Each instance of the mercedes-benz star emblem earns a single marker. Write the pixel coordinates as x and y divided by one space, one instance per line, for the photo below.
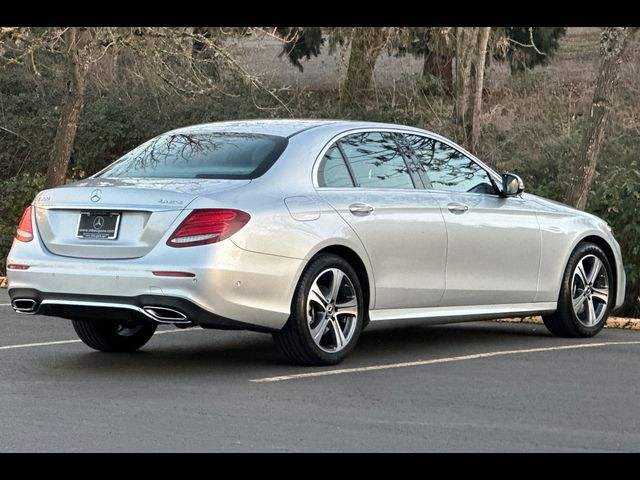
98 223
96 195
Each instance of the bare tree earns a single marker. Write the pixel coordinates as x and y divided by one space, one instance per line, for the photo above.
366 45
466 42
479 85
613 42
435 46
438 58
77 59
79 48
164 56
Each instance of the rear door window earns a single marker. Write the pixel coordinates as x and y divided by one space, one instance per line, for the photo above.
333 171
376 161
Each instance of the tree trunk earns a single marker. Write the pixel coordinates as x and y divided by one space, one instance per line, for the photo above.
366 45
439 65
466 40
612 46
70 110
477 103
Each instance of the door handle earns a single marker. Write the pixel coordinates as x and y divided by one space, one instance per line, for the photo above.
457 208
360 209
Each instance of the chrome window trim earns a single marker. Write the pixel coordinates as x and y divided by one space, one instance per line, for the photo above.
336 138
346 164
410 131
334 141
490 172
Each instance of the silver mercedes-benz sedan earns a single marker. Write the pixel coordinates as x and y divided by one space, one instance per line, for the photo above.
310 230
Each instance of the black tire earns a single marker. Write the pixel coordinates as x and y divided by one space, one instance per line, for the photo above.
564 322
295 340
112 335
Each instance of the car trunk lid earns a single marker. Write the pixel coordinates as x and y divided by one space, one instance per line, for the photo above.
142 211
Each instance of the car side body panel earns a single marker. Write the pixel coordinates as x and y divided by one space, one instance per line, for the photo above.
494 249
405 240
562 229
506 256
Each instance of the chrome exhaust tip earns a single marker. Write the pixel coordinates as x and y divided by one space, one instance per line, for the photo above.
166 315
24 305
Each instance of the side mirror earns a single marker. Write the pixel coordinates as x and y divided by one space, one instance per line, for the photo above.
512 185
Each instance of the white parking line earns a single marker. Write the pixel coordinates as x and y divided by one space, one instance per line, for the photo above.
63 342
434 361
41 344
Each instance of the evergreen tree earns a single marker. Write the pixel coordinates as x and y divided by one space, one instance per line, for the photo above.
436 48
366 45
531 46
300 42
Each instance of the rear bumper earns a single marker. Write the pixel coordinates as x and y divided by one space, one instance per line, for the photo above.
78 307
232 287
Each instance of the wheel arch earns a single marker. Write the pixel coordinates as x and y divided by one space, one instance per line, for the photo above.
608 251
603 243
358 265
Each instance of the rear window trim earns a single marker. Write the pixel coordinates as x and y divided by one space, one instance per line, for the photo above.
323 162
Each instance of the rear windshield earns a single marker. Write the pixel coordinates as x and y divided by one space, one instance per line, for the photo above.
200 155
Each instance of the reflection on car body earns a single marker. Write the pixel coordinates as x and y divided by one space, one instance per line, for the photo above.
309 230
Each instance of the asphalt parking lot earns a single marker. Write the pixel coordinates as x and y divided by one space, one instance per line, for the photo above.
467 387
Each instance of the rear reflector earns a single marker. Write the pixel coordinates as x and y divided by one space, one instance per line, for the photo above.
25 229
208 226
15 266
174 274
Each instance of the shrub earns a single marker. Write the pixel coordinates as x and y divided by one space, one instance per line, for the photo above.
539 143
615 197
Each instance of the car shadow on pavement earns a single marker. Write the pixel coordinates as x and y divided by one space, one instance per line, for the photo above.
447 340
244 354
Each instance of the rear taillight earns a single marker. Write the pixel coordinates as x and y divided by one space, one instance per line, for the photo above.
208 226
25 228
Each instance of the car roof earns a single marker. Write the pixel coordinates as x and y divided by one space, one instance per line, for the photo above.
281 127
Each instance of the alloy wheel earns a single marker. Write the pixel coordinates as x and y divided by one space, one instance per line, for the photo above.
332 310
590 290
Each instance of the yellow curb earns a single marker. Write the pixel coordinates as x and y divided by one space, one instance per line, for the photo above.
612 322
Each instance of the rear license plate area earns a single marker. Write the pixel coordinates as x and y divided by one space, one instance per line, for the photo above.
98 225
